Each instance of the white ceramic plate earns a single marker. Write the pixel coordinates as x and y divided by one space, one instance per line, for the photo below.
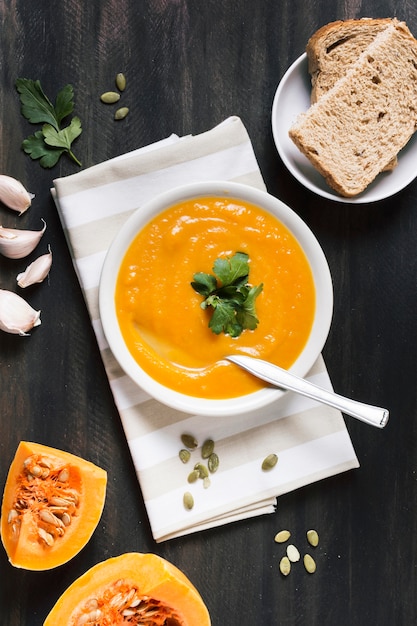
293 97
117 250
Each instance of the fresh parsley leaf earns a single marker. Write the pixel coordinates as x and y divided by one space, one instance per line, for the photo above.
232 271
232 299
64 103
204 284
63 138
36 148
36 107
224 319
246 315
52 141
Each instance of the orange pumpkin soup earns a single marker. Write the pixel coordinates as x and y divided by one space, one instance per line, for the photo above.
159 313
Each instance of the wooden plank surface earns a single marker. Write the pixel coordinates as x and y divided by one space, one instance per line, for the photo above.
189 65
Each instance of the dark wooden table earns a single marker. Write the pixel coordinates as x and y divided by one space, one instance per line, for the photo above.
190 65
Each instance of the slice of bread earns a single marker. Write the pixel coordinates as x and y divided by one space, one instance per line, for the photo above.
354 130
334 47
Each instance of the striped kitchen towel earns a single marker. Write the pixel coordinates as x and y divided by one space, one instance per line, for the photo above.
311 440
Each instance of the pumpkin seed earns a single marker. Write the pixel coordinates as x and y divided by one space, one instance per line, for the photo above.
121 81
207 449
66 519
49 518
269 462
313 538
189 441
121 113
110 97
282 536
184 455
36 470
193 476
202 470
309 564
62 502
47 537
91 604
285 566
188 500
292 553
45 462
63 476
213 463
206 482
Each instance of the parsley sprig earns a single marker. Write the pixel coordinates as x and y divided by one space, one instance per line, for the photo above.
232 299
49 143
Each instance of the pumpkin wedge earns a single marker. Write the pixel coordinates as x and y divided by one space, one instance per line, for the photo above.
52 503
132 588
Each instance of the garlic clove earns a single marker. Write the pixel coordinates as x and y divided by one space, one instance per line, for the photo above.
16 315
14 195
16 243
37 271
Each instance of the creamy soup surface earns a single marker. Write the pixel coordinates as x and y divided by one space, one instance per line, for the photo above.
159 313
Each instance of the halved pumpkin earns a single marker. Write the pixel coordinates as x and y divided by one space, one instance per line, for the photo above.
52 503
133 588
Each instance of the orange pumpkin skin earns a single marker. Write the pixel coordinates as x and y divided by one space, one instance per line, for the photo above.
52 503
156 580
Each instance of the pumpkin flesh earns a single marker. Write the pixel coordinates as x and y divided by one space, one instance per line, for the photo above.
52 503
133 588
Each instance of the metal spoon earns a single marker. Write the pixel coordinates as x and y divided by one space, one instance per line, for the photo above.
279 377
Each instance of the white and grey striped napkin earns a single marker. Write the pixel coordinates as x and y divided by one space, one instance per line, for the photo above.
311 440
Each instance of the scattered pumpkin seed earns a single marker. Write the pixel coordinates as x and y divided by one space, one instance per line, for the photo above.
213 463
309 564
189 441
121 113
188 500
285 566
110 97
269 462
184 455
202 470
313 538
193 476
121 81
282 536
207 449
293 553
206 482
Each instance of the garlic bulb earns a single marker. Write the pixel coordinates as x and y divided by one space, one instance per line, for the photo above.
14 195
37 271
16 315
16 243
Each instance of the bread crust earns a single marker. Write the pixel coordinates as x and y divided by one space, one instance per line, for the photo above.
357 127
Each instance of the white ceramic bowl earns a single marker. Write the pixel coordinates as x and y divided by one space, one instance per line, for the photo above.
117 250
292 98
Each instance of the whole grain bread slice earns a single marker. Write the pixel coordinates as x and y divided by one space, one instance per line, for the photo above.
334 47
354 130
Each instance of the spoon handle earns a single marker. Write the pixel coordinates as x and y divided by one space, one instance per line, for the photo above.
373 415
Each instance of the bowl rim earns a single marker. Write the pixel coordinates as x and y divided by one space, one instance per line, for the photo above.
291 98
110 269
